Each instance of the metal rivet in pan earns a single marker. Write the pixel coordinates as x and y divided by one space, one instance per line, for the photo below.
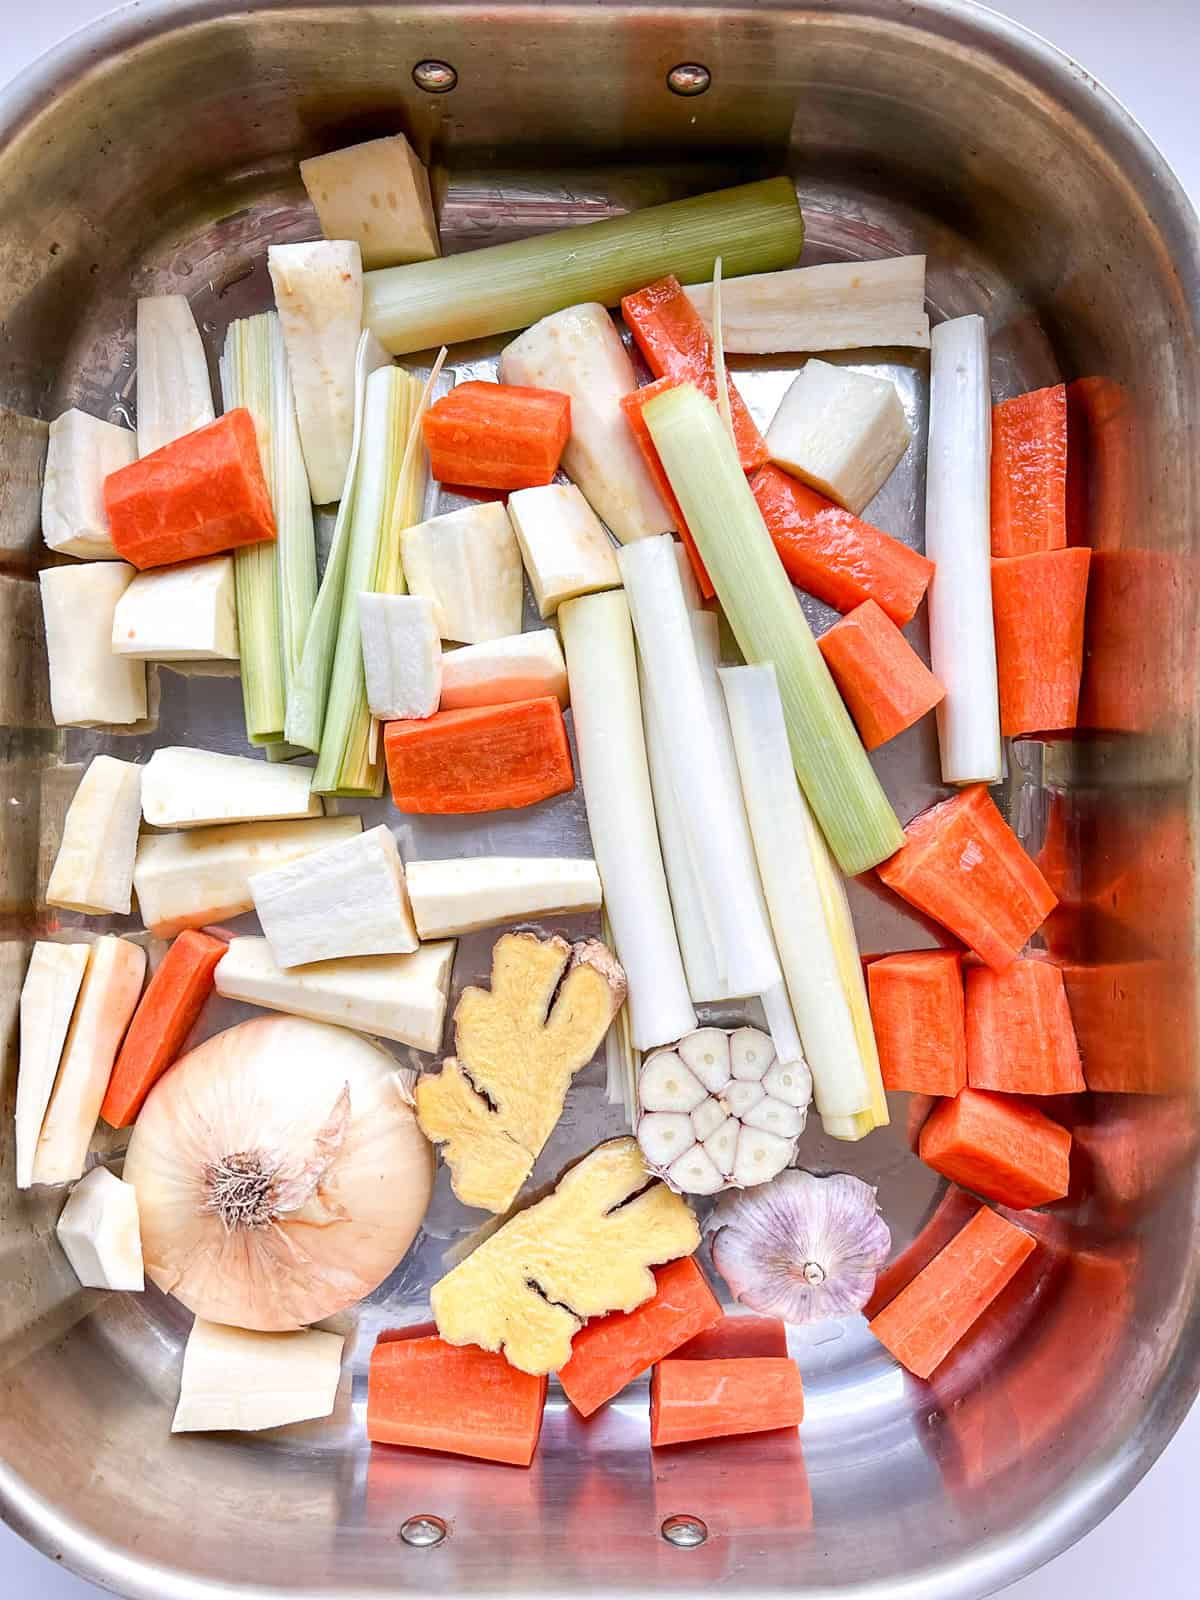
435 77
684 1532
688 78
424 1532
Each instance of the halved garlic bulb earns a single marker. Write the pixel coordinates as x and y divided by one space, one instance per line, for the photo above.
720 1109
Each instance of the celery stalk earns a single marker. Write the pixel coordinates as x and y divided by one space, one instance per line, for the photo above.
755 227
764 612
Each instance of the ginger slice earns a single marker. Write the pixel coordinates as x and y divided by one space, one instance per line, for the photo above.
585 1250
494 1105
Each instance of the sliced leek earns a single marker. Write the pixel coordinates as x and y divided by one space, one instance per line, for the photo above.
769 625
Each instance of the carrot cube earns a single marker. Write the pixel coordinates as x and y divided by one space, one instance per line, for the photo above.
479 758
1000 1147
1038 606
713 1399
1029 472
917 1010
497 435
1020 1037
882 679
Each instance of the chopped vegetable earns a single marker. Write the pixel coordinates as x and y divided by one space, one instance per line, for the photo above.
93 870
677 345
835 556
580 1253
237 1381
174 393
482 758
524 666
736 1336
402 655
319 296
810 917
925 1321
1029 473
48 995
917 1012
1003 1149
185 880
394 997
633 406
100 1233
497 435
622 1060
472 892
958 542
609 1353
563 545
518 1046
187 788
348 899
429 1395
88 684
376 194
1020 1038
755 227
714 1399
579 353
769 625
1038 603
607 714
110 991
83 450
280 1173
881 677
204 494
953 1210
841 431
803 1248
963 866
180 613
164 1017
468 563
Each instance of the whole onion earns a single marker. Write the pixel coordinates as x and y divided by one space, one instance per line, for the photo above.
280 1174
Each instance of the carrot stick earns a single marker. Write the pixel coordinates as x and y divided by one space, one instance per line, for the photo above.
1000 1147
479 758
1020 1037
713 1399
610 1352
200 495
173 1000
836 556
962 865
676 344
1038 604
1029 472
928 1318
429 1395
497 435
736 1336
882 679
632 405
917 1011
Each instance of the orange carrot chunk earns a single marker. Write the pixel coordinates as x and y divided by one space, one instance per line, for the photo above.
610 1352
671 335
882 679
962 865
1038 605
736 1336
917 1012
173 1000
951 1214
928 1318
202 494
1029 472
1002 1148
633 405
713 1399
497 435
429 1395
834 555
1020 1037
480 758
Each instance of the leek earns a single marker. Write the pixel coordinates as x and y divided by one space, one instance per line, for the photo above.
755 227
809 913
769 625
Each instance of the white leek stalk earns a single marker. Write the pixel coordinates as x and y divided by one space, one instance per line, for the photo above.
809 912
48 996
89 685
174 392
100 1233
187 788
238 1381
93 871
607 713
958 540
83 450
622 1061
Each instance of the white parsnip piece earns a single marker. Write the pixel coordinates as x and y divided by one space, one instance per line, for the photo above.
89 685
100 1233
841 431
48 996
524 666
237 1381
563 545
469 565
377 194
93 871
185 788
174 390
402 655
83 450
186 612
471 892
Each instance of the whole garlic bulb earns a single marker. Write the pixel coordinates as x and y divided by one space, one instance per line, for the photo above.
280 1174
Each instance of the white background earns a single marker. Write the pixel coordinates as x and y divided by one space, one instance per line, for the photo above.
1146 52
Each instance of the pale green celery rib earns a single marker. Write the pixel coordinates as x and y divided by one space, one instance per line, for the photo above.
755 227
